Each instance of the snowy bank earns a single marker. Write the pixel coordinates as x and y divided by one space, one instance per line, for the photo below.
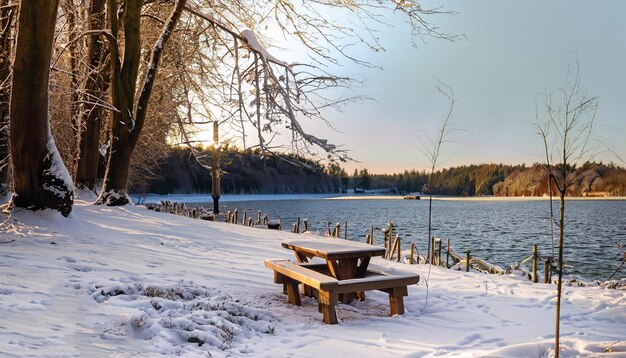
132 282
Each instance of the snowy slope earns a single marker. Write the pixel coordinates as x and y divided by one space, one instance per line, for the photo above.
132 282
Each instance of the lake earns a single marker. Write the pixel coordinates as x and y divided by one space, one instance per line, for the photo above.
499 231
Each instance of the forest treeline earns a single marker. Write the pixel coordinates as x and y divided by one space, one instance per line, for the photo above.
249 172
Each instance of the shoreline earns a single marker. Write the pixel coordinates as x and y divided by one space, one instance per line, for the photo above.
202 198
482 198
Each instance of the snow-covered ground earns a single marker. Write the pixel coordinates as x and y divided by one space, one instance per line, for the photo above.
131 282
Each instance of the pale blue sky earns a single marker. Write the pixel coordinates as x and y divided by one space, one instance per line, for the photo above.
514 51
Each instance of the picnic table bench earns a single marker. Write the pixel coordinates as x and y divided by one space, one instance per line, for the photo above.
328 288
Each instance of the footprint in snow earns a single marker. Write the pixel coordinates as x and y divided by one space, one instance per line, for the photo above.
469 339
80 268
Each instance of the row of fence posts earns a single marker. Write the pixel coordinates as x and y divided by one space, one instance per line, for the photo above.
232 217
393 245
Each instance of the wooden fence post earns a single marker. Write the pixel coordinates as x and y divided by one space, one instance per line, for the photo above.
546 271
448 255
432 251
386 252
534 273
399 243
467 261
439 260
412 252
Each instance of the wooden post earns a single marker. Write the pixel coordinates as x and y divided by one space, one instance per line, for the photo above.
546 271
250 222
235 216
371 234
266 219
448 255
385 246
412 252
258 217
244 217
337 230
306 225
440 260
298 226
345 231
534 273
467 261
295 228
367 238
432 251
228 213
329 232
392 247
399 243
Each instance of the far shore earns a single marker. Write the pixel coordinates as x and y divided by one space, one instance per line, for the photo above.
476 198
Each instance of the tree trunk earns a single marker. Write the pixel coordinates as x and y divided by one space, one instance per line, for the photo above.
6 17
126 123
560 283
96 85
40 179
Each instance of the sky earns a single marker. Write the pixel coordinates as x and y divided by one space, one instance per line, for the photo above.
513 53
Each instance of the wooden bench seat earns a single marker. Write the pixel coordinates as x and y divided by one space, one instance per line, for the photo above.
328 288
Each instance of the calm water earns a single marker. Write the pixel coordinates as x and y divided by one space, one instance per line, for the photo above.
500 232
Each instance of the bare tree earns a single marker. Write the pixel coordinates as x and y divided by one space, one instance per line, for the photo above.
566 131
431 148
236 81
128 119
235 76
94 99
40 179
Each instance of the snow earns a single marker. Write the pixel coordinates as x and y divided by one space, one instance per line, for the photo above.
57 169
254 44
126 281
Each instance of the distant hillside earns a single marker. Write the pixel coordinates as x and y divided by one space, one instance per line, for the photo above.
247 172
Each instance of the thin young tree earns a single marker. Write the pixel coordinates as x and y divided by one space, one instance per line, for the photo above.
40 179
569 119
431 149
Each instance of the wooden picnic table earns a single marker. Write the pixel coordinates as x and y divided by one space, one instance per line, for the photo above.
345 259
